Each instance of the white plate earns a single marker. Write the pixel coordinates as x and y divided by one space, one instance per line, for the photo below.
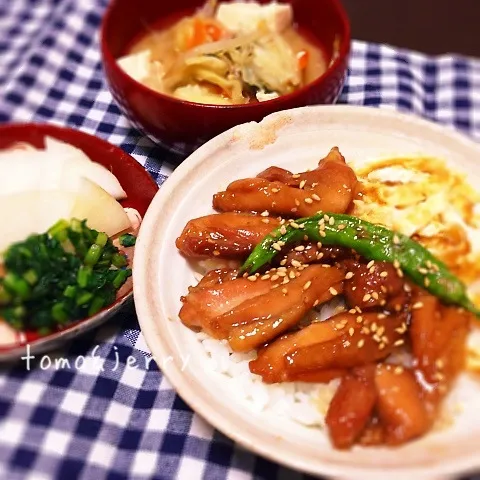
296 140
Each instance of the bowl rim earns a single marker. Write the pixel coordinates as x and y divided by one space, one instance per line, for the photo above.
342 56
41 344
146 312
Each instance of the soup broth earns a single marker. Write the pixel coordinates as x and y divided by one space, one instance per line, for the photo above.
201 59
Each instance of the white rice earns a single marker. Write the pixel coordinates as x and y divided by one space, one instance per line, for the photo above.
304 403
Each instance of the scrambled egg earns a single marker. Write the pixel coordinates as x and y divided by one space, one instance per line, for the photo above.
422 198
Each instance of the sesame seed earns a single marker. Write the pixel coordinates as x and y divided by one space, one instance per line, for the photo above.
326 217
384 274
302 183
398 370
275 190
316 302
423 271
285 281
281 243
346 343
307 285
358 309
385 339
301 225
281 274
216 253
359 319
381 346
354 288
308 200
341 226
377 338
265 277
305 238
381 316
283 262
265 220
439 363
396 240
339 326
366 297
399 342
396 264
296 263
281 269
417 305
331 221
351 331
407 288
373 327
300 248
275 286
319 245
274 278
365 330
293 210
296 175
426 281
380 331
276 246
333 291
294 225
265 213
291 275
319 255
370 263
361 343
283 229
383 288
375 295
322 233
316 197
399 273
297 203
282 220
371 269
284 291
348 275
314 184
252 278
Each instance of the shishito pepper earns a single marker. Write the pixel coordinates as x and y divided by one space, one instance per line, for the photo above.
374 242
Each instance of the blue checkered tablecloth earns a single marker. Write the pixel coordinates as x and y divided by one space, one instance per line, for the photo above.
114 418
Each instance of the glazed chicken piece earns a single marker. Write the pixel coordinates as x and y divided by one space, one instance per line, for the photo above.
330 187
351 407
438 336
259 320
225 235
375 284
400 406
314 253
218 292
344 341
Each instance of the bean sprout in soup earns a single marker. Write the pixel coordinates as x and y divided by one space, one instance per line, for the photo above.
226 54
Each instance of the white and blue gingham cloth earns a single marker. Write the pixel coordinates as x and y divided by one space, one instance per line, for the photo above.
115 418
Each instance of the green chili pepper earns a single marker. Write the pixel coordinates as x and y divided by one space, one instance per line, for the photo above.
374 242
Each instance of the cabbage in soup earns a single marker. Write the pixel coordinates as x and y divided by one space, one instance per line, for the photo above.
227 54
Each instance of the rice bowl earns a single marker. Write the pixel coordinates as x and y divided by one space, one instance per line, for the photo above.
299 135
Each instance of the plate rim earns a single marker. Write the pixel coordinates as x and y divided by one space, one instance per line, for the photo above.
152 332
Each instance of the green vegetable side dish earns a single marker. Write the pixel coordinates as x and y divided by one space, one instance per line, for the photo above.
374 242
55 278
127 240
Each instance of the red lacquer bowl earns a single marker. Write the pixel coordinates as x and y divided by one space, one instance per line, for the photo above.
182 126
139 187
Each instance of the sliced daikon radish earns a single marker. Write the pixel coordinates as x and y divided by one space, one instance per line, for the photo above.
42 170
23 214
101 210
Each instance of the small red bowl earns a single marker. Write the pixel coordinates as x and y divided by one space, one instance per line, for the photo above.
139 187
182 126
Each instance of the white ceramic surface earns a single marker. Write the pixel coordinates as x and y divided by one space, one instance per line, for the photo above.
296 140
